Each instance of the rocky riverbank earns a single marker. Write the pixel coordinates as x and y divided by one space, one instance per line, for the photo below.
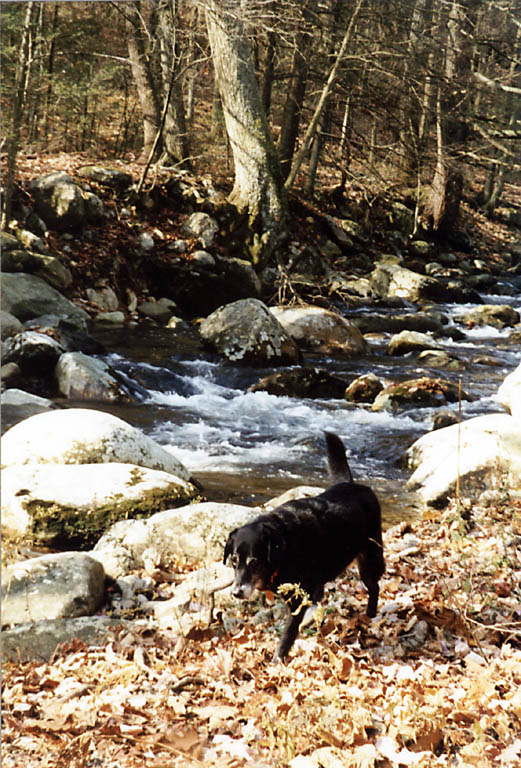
128 637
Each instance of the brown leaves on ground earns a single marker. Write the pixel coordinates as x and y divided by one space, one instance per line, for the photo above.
434 680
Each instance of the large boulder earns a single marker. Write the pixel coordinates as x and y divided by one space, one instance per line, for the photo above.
418 393
61 203
74 504
195 533
28 296
84 436
245 331
81 377
395 280
485 452
320 330
57 586
509 393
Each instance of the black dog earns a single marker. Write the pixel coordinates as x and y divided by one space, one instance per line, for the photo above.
308 542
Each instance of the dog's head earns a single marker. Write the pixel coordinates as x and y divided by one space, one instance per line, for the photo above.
251 555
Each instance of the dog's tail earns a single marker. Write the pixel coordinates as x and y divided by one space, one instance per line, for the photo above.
336 458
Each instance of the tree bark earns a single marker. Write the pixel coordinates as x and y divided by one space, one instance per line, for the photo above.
258 189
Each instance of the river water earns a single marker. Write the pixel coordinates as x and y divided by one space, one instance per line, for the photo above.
247 447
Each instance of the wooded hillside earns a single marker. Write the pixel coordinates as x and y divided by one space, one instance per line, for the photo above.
418 98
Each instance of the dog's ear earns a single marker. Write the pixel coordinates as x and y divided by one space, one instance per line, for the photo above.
228 549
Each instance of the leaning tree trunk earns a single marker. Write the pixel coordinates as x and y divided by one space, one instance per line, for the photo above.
258 189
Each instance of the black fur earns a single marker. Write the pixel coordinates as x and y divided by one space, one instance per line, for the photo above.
310 542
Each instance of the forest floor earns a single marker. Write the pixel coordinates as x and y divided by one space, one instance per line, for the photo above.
433 680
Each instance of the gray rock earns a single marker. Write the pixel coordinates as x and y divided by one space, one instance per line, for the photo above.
410 341
161 311
394 280
418 393
84 436
19 397
108 177
59 201
94 210
364 389
81 377
201 226
146 242
111 318
51 269
28 296
9 325
303 382
31 241
33 352
245 331
52 587
10 375
417 321
104 297
40 640
321 330
497 315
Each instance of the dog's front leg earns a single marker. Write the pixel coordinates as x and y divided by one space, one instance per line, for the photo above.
289 634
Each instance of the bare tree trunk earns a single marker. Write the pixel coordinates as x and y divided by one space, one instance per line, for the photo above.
258 189
297 88
174 135
50 71
17 113
143 76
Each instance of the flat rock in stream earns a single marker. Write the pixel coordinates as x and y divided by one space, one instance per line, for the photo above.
418 393
301 382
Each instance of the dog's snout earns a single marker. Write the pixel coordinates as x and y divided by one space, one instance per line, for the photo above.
238 592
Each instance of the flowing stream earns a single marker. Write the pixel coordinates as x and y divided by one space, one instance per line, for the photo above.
247 447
